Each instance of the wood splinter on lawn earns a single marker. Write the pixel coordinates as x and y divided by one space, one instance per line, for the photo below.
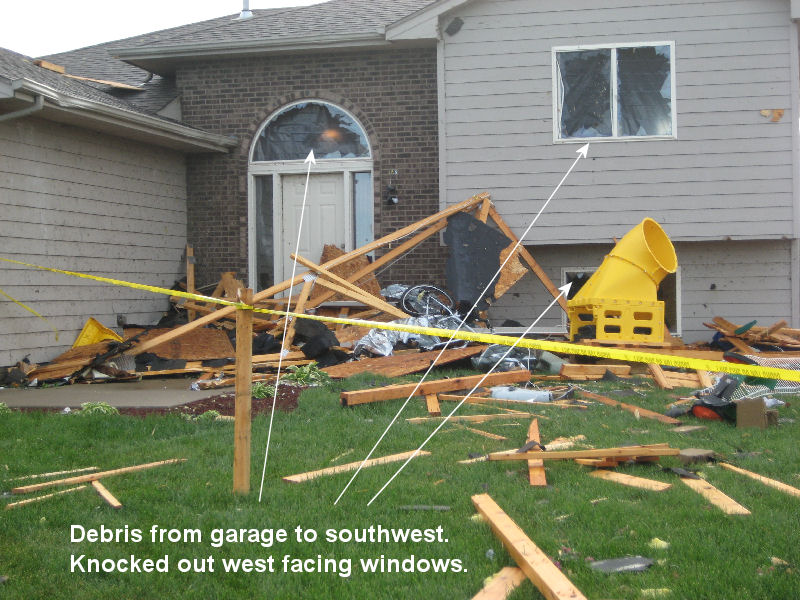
106 495
545 575
301 477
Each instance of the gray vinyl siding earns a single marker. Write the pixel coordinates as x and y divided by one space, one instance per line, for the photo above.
737 280
87 202
728 175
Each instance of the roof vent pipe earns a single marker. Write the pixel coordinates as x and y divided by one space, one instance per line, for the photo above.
246 13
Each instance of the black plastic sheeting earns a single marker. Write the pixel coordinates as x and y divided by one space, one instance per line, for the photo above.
473 260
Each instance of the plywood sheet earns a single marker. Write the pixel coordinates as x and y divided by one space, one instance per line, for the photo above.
198 344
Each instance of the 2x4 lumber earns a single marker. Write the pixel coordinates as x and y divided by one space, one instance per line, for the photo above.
44 497
402 364
631 480
631 408
468 418
300 308
486 434
244 396
106 495
619 453
26 489
659 376
725 503
53 474
393 392
432 404
285 285
301 477
501 584
774 483
576 370
536 472
523 252
342 286
545 575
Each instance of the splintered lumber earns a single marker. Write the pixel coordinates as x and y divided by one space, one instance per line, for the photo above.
536 473
545 575
659 376
778 485
668 380
44 497
106 495
631 408
368 284
53 474
402 364
268 293
501 584
486 434
587 372
393 392
619 453
301 477
94 476
631 480
432 404
468 418
512 271
725 503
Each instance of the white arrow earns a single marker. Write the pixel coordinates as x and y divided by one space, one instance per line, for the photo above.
582 152
310 160
564 292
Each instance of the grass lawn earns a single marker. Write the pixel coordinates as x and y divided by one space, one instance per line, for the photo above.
574 520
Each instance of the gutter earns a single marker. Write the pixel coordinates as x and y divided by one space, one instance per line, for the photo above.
125 118
8 91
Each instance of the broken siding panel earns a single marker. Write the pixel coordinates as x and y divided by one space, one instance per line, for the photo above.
732 61
87 202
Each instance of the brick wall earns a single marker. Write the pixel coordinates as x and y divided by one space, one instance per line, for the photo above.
392 93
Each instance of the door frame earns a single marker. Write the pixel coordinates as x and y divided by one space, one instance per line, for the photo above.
277 169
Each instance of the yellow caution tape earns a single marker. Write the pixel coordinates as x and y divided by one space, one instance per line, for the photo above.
30 310
486 338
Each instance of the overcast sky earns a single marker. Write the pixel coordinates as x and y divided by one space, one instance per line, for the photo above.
41 27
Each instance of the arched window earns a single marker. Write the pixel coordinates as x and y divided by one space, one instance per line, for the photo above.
317 126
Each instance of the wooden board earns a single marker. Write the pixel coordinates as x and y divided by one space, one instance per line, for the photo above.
725 503
199 344
570 370
301 477
631 408
468 418
432 404
545 575
501 584
631 480
398 365
536 473
19 503
106 495
93 476
393 392
486 434
774 483
619 453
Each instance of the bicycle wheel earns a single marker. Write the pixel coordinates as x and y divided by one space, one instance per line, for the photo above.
426 300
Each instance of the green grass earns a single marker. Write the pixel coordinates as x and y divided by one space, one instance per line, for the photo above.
710 555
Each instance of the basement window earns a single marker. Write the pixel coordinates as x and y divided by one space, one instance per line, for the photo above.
623 91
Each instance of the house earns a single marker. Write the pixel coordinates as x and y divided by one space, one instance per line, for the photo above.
690 109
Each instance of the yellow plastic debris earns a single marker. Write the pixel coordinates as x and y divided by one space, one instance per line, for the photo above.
94 331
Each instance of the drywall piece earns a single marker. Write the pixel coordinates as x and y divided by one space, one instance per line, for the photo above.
631 480
106 495
394 392
778 485
501 584
725 503
94 476
301 477
546 576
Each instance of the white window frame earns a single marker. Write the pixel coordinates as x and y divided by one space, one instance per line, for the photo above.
614 137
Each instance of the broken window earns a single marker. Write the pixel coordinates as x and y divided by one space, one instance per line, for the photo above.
318 126
614 92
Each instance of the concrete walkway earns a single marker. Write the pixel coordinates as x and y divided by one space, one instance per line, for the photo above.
145 393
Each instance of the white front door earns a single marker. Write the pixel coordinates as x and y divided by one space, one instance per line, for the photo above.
327 220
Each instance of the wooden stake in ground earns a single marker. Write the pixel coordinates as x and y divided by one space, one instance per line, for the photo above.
244 395
25 489
547 577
